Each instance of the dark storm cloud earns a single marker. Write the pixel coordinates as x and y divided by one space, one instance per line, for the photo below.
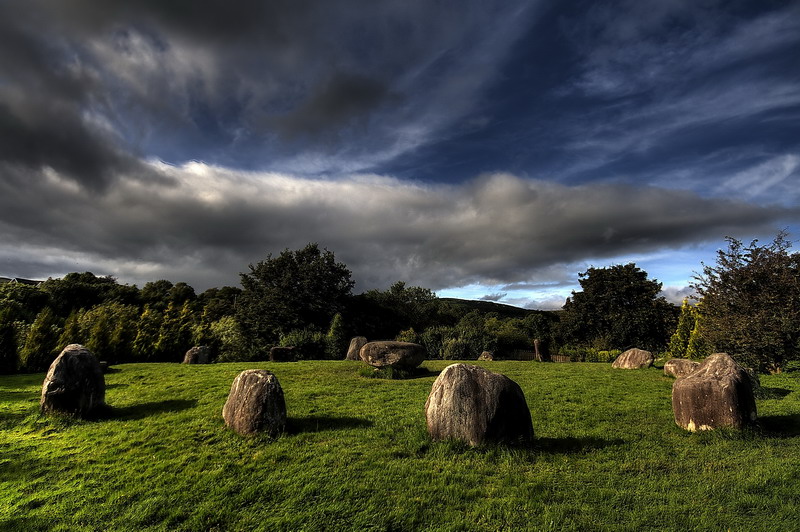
497 229
249 84
494 297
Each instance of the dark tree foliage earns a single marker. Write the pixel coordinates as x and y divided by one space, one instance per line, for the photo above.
618 307
750 303
8 343
85 290
295 290
410 306
22 302
155 294
219 302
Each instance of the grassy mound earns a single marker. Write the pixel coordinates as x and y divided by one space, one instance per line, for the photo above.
356 455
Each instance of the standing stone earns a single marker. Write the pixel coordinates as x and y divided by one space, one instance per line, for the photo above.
199 354
717 394
255 404
74 384
355 348
634 359
282 354
486 355
403 355
477 406
680 367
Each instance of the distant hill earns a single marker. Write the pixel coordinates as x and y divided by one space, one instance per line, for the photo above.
506 311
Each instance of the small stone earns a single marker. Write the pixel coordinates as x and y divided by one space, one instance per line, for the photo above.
255 404
634 359
486 355
717 394
680 367
403 355
474 405
198 354
355 348
74 384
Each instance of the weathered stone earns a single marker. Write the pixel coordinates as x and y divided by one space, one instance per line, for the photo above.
477 406
405 355
255 404
486 355
680 367
717 394
282 354
755 382
634 359
103 366
199 354
74 384
355 348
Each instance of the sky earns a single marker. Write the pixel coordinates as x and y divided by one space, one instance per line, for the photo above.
485 150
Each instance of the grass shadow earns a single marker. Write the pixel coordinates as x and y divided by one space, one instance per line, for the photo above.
771 393
143 410
787 426
297 425
390 373
573 445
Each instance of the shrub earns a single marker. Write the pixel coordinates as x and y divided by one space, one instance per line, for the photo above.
309 343
433 339
408 335
456 349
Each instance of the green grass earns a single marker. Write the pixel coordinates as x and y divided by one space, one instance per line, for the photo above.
356 456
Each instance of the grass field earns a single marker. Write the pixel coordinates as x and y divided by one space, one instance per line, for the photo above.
607 455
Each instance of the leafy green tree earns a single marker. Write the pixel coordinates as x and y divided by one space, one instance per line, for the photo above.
618 307
148 329
336 339
751 303
412 306
8 343
78 291
295 290
679 341
219 302
71 333
697 347
156 294
175 334
228 340
41 345
109 331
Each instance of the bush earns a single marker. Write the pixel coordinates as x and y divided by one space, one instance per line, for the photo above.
433 339
309 344
408 335
456 349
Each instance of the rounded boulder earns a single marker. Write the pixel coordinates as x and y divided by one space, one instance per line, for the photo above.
255 404
634 359
477 406
680 367
198 354
74 384
717 394
353 352
403 355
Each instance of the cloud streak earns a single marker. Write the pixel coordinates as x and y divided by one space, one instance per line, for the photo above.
204 223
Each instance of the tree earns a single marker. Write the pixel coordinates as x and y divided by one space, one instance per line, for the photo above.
295 290
335 340
78 291
751 302
618 307
679 341
8 343
41 345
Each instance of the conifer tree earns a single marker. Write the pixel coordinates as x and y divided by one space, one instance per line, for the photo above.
679 341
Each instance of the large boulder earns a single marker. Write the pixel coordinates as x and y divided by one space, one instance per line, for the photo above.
282 354
199 354
634 359
255 404
401 355
74 384
477 406
680 367
717 394
353 352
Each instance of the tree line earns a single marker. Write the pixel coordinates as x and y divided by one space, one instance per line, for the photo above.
749 305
